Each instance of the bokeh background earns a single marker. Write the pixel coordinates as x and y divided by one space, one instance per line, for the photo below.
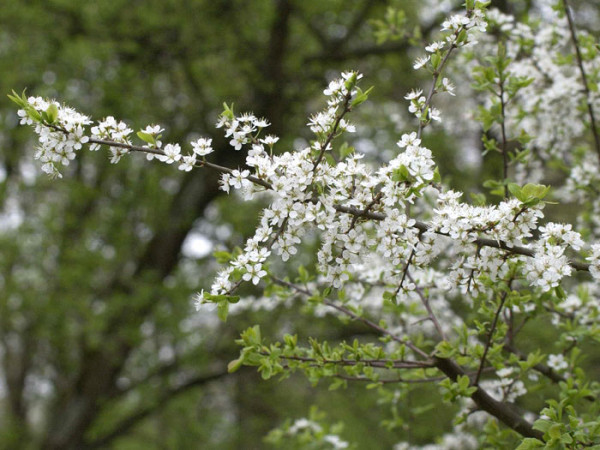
99 342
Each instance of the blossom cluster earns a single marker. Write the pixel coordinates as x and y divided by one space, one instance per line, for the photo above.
381 231
338 93
552 109
244 129
459 31
292 180
308 430
111 130
61 131
550 264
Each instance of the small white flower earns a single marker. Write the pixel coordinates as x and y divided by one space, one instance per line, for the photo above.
261 123
238 179
414 94
202 147
557 362
187 163
421 61
408 139
434 114
238 140
505 372
254 272
172 153
269 140
435 46
447 86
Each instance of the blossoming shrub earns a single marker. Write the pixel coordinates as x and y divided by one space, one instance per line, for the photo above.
448 284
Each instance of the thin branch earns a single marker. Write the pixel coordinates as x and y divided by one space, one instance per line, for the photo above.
486 242
503 133
584 79
472 274
367 208
334 129
392 381
425 302
436 76
489 338
404 380
354 316
502 411
379 363
132 420
405 271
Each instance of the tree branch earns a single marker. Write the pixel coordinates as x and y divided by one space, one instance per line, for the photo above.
502 411
584 79
135 418
489 338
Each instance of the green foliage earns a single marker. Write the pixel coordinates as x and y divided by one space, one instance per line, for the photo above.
97 291
105 281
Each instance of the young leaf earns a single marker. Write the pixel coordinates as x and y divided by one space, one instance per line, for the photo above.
146 137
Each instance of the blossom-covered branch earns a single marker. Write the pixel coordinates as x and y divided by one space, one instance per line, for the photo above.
447 285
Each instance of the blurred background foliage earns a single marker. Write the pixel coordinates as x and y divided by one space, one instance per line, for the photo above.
99 343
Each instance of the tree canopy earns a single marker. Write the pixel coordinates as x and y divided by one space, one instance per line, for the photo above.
358 258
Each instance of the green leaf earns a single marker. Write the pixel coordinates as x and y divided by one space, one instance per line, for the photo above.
566 438
304 276
515 190
20 100
401 174
33 114
146 137
445 349
223 257
542 425
228 111
529 443
361 96
234 365
337 383
535 190
52 113
223 310
555 431
478 199
291 341
389 296
345 150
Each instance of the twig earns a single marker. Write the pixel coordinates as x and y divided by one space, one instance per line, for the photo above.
489 338
436 76
365 211
379 363
503 132
586 88
425 302
331 135
354 316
